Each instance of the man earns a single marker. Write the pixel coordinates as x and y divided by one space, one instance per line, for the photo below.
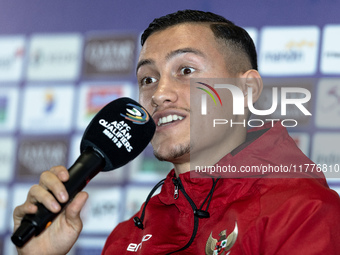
203 215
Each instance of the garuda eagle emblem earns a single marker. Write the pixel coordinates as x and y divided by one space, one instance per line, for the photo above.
223 244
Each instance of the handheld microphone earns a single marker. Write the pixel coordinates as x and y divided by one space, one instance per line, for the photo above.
116 135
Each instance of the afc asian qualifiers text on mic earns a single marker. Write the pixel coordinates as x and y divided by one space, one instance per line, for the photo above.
116 135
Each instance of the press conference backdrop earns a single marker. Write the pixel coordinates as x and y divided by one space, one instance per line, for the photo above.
61 61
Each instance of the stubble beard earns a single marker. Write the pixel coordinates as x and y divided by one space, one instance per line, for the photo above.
174 153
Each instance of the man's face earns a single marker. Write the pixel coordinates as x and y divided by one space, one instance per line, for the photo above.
167 62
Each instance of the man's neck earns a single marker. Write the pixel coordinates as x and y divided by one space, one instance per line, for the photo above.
208 157
181 168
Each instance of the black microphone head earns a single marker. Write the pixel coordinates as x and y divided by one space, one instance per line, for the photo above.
119 132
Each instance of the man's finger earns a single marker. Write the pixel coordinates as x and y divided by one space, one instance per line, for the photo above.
41 195
72 212
74 208
50 181
61 172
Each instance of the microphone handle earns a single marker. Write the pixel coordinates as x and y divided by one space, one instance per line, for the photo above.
88 164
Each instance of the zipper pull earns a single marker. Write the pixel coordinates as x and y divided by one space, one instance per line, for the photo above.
176 194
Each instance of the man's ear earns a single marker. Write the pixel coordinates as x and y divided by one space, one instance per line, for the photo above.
251 83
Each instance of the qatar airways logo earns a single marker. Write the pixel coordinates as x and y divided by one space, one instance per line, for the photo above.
239 106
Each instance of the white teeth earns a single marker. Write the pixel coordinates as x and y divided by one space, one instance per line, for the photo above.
169 119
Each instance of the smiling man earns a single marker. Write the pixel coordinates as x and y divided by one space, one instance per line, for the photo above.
168 60
228 215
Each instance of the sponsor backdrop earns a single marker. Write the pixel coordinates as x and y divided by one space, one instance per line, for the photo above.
61 61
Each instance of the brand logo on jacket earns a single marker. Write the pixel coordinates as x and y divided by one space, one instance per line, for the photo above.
223 245
134 247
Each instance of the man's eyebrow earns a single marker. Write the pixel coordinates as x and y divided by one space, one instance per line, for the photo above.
183 51
144 62
170 56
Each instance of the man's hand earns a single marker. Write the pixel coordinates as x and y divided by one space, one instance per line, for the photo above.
61 235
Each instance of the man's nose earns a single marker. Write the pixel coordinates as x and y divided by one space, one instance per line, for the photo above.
166 92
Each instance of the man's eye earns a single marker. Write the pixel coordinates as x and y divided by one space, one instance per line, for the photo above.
147 80
187 70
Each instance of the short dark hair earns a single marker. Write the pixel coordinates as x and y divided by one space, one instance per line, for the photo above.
234 36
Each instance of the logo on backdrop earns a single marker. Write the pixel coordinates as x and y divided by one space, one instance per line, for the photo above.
289 50
12 53
109 55
3 108
330 52
36 155
54 57
328 103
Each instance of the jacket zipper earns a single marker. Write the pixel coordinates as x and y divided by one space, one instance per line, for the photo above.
176 191
178 186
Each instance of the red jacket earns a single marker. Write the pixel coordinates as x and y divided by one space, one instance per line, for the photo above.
256 215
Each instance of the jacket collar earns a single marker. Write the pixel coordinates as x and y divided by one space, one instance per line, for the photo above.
267 145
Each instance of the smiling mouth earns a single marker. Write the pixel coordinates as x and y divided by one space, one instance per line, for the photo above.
169 119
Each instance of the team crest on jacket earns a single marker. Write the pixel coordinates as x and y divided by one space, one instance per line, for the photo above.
223 244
